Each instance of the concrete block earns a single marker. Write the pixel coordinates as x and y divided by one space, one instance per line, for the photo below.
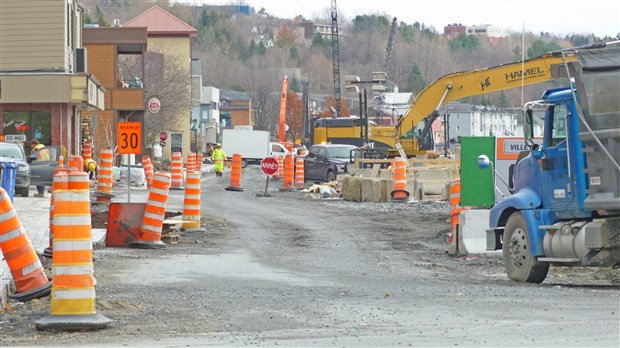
352 188
472 227
374 190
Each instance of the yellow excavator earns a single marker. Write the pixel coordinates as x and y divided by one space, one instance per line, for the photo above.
411 135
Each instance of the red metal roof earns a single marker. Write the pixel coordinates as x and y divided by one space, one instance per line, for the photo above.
159 22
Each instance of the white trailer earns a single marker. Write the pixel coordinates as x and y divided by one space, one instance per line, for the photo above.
253 145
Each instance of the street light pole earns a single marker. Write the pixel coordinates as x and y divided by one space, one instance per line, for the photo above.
378 78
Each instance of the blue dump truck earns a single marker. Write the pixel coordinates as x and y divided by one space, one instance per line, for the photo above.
565 202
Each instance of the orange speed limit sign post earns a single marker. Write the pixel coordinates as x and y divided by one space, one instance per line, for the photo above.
129 138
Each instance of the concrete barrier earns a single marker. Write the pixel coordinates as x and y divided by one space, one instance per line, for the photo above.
352 188
375 190
470 236
421 183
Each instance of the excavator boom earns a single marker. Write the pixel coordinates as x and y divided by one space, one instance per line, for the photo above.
282 123
470 83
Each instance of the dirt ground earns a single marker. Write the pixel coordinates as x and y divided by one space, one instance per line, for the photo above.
397 242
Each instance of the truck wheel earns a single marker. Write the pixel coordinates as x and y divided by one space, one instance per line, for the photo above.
244 163
519 263
330 176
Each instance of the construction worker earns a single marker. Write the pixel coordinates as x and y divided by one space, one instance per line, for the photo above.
219 159
42 154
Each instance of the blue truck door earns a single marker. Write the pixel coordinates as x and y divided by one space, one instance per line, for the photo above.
555 163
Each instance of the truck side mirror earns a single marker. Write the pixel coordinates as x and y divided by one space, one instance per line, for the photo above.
483 162
537 151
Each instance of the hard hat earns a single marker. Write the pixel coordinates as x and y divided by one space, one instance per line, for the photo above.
218 145
90 165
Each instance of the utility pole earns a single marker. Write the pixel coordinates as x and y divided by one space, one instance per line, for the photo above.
446 133
336 58
306 113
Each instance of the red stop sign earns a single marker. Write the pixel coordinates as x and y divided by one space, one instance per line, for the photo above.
163 136
269 165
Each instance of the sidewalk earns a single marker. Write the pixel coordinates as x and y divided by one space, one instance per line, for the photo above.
34 212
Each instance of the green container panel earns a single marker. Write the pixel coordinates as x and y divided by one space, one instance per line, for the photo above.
476 184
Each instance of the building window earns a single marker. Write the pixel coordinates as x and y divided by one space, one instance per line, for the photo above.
33 124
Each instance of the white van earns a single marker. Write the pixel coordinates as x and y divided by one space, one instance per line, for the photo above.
277 149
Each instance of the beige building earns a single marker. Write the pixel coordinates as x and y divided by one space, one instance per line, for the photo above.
44 79
171 37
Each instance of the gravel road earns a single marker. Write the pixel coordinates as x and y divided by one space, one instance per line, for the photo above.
288 270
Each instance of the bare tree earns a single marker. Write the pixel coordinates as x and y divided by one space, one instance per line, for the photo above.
261 84
165 80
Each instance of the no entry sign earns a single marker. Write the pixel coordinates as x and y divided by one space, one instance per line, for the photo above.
269 165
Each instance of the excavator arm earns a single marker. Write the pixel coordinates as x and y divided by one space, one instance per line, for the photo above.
425 107
282 122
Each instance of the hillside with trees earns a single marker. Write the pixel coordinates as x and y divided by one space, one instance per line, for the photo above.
252 53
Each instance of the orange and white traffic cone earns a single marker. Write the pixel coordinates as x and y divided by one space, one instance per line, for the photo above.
191 203
148 170
73 285
235 174
400 193
288 184
300 183
60 182
177 171
76 163
199 160
149 236
28 274
191 162
105 177
455 208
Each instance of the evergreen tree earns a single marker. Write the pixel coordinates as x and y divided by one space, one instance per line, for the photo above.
415 82
465 42
262 50
502 100
100 18
540 47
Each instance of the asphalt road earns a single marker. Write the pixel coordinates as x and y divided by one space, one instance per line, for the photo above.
290 271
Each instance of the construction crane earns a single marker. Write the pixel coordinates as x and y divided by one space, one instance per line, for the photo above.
336 57
389 53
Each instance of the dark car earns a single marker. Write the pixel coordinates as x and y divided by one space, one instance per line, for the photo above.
13 152
325 161
42 172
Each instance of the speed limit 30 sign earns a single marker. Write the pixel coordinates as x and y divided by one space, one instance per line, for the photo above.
129 138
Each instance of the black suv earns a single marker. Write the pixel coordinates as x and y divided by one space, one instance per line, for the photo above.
13 152
325 161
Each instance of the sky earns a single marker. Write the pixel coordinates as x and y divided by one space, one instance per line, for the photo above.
600 17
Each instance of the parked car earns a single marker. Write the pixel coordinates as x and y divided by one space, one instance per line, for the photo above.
42 172
325 161
14 152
